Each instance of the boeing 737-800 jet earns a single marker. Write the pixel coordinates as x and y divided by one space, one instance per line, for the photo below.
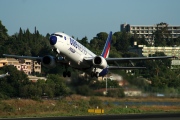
71 53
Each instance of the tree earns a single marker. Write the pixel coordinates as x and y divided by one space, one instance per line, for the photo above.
174 42
102 36
129 54
161 35
28 35
3 33
31 91
142 41
122 41
114 53
117 93
58 85
84 90
98 42
20 36
11 85
84 42
158 38
133 39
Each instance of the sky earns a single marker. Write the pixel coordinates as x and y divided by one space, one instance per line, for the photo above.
80 18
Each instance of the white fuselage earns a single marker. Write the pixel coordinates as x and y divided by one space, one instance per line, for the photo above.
74 52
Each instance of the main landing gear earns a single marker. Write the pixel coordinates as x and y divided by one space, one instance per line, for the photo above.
94 74
67 73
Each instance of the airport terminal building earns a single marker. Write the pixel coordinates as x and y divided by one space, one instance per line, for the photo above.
148 30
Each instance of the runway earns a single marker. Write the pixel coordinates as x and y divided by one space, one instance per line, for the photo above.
164 116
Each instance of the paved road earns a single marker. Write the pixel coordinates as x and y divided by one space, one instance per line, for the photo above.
163 116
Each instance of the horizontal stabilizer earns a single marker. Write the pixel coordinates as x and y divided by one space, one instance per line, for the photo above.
121 67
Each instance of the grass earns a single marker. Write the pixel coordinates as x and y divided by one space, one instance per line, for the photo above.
76 105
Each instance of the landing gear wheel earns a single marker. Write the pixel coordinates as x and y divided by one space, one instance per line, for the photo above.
68 74
92 74
97 74
64 74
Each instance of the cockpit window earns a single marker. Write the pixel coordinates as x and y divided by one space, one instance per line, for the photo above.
57 35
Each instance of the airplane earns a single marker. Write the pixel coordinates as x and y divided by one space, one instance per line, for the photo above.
4 75
70 53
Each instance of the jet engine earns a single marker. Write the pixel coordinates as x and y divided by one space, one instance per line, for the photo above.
48 61
99 62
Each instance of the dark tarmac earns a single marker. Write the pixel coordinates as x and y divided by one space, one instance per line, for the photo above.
159 116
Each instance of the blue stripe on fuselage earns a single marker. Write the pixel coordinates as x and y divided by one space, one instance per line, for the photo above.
103 72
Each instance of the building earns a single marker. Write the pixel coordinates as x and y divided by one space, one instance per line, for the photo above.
169 51
35 78
132 92
3 62
148 30
123 83
28 66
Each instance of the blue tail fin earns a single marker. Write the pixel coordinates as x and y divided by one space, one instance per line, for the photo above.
105 52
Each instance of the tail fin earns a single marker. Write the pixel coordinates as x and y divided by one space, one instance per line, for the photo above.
105 52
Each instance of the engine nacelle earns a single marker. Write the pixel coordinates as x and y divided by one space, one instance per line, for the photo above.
99 62
48 61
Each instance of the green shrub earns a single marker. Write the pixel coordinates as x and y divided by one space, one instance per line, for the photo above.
117 93
94 102
124 110
84 90
8 108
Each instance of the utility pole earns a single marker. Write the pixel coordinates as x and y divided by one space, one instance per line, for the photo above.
106 85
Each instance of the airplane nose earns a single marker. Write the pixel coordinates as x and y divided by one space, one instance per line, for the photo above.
53 40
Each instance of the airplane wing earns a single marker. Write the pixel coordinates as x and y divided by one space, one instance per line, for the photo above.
39 59
90 59
137 58
23 57
110 60
127 59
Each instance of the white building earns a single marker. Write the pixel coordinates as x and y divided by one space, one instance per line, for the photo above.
169 51
147 30
132 92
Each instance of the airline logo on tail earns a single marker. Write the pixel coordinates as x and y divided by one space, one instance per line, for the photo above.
105 52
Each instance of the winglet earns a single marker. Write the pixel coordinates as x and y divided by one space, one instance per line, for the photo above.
105 52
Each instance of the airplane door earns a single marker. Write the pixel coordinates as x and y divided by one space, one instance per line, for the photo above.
67 40
68 44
